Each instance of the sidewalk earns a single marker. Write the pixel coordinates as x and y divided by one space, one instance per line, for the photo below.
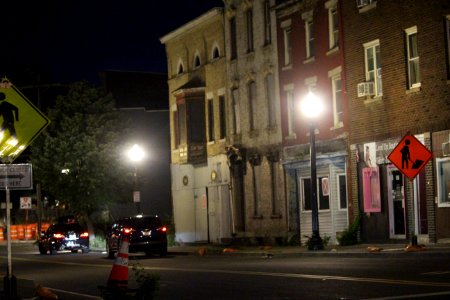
298 251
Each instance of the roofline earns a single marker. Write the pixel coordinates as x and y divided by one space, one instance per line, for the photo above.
191 24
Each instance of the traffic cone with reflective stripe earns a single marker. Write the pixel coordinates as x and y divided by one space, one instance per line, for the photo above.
119 273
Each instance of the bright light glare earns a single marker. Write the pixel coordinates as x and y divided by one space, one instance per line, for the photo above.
136 153
311 106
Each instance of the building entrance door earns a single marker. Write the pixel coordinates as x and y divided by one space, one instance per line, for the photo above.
396 202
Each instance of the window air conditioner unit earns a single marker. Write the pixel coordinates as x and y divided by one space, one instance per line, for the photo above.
362 3
446 149
366 89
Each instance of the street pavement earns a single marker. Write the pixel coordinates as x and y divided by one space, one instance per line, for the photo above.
26 288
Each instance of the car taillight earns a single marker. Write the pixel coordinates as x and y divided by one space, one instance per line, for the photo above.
58 236
127 230
84 235
163 229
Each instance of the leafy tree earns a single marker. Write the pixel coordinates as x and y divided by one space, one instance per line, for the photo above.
84 139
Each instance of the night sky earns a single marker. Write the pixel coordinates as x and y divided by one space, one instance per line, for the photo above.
66 41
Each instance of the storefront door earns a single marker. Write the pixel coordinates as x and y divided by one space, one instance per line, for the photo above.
396 202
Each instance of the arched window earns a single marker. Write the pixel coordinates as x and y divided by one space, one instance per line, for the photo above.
180 69
215 53
197 62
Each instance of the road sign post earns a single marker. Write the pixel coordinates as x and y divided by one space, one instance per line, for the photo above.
410 156
20 123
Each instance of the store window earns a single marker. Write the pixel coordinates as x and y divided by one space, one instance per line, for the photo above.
443 175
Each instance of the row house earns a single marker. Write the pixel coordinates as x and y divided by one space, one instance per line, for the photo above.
197 103
257 177
311 59
398 82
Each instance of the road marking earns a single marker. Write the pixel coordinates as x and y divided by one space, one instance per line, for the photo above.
436 273
309 276
412 296
85 296
256 273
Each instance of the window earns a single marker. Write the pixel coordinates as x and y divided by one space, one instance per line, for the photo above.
236 111
273 179
443 170
197 61
267 23
287 46
291 107
176 129
233 46
181 125
333 23
373 65
336 86
342 190
211 120
249 16
255 162
323 195
215 53
180 69
447 33
222 114
252 104
412 57
270 93
197 124
309 34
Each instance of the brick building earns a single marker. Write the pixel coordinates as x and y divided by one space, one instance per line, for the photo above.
254 121
197 99
311 59
397 71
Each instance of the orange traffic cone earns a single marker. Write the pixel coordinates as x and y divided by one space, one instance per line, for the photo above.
119 273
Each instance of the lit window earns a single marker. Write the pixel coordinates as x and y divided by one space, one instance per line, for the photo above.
333 23
373 65
412 57
287 46
336 86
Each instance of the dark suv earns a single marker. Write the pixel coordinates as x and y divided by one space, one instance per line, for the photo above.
146 234
64 236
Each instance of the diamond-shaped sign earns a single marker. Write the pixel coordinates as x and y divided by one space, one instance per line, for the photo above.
410 156
20 122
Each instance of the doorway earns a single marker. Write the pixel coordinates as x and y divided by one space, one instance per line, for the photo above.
396 203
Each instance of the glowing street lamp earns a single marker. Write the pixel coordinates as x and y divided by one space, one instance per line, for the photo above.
136 155
312 107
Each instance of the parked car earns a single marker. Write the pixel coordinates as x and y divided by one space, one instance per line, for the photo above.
146 234
64 236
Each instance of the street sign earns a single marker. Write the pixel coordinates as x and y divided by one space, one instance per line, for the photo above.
20 122
410 156
25 203
16 177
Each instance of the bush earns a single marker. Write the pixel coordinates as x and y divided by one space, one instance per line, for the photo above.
350 236
148 283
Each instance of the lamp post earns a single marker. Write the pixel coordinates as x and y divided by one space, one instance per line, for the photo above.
136 154
312 108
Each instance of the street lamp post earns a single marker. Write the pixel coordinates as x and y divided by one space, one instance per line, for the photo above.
312 107
136 154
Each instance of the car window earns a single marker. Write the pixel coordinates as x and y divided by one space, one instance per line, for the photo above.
142 222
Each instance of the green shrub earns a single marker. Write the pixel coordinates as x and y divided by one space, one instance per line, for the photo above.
148 283
350 235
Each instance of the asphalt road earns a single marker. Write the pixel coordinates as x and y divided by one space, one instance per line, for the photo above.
245 277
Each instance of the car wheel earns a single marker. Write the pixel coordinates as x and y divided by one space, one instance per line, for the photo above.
53 251
110 252
74 250
84 250
163 251
42 250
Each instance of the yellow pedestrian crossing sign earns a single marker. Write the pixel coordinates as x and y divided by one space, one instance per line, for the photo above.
20 122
